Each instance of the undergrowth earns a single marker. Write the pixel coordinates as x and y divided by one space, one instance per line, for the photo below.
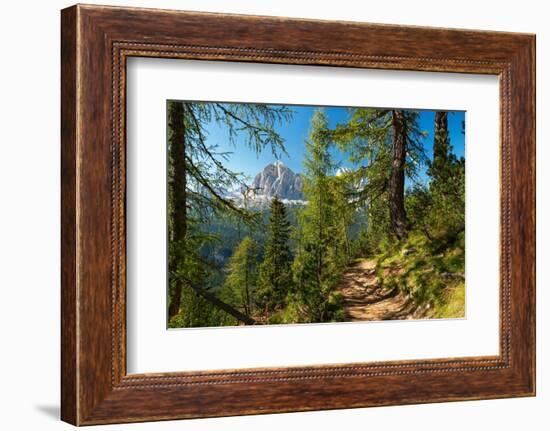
428 271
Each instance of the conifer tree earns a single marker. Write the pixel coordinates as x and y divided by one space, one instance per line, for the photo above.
275 270
241 282
387 142
322 249
447 186
196 177
441 147
344 212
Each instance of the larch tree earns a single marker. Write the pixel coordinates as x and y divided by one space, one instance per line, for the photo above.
344 212
322 247
197 178
177 202
396 184
386 144
242 279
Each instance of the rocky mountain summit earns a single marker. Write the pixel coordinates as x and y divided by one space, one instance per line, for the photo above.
276 179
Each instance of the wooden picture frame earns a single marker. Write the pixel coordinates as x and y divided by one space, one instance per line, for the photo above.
95 43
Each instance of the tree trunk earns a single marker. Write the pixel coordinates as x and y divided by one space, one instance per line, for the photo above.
178 196
247 306
247 320
396 186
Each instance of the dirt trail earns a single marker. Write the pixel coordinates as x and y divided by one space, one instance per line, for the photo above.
364 299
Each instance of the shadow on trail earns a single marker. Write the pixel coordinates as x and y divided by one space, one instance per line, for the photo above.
364 299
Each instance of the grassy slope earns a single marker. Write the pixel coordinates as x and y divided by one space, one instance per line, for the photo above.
431 273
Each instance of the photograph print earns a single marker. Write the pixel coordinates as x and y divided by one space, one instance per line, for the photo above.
288 214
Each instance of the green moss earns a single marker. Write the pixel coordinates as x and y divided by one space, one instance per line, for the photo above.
454 304
427 276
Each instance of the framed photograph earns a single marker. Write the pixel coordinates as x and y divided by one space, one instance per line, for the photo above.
266 215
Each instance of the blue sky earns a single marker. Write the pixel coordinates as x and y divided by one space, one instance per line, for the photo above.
296 131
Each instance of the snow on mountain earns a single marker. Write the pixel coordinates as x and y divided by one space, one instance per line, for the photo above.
276 179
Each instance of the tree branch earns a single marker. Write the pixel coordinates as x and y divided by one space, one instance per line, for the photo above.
247 320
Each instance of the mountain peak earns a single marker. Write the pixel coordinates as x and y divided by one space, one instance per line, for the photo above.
276 179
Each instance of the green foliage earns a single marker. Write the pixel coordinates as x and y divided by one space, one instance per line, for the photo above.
369 138
275 270
286 265
251 124
420 266
322 251
448 200
431 280
196 176
190 270
241 282
438 209
197 312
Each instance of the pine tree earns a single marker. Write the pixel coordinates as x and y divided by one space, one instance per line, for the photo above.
240 284
447 186
441 147
275 270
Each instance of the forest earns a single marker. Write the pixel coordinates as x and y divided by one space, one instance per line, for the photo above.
371 227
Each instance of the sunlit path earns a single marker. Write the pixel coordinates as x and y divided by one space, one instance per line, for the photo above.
364 299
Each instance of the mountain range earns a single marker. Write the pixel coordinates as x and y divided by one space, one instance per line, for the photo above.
275 179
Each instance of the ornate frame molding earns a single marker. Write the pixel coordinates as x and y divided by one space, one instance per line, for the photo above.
96 41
